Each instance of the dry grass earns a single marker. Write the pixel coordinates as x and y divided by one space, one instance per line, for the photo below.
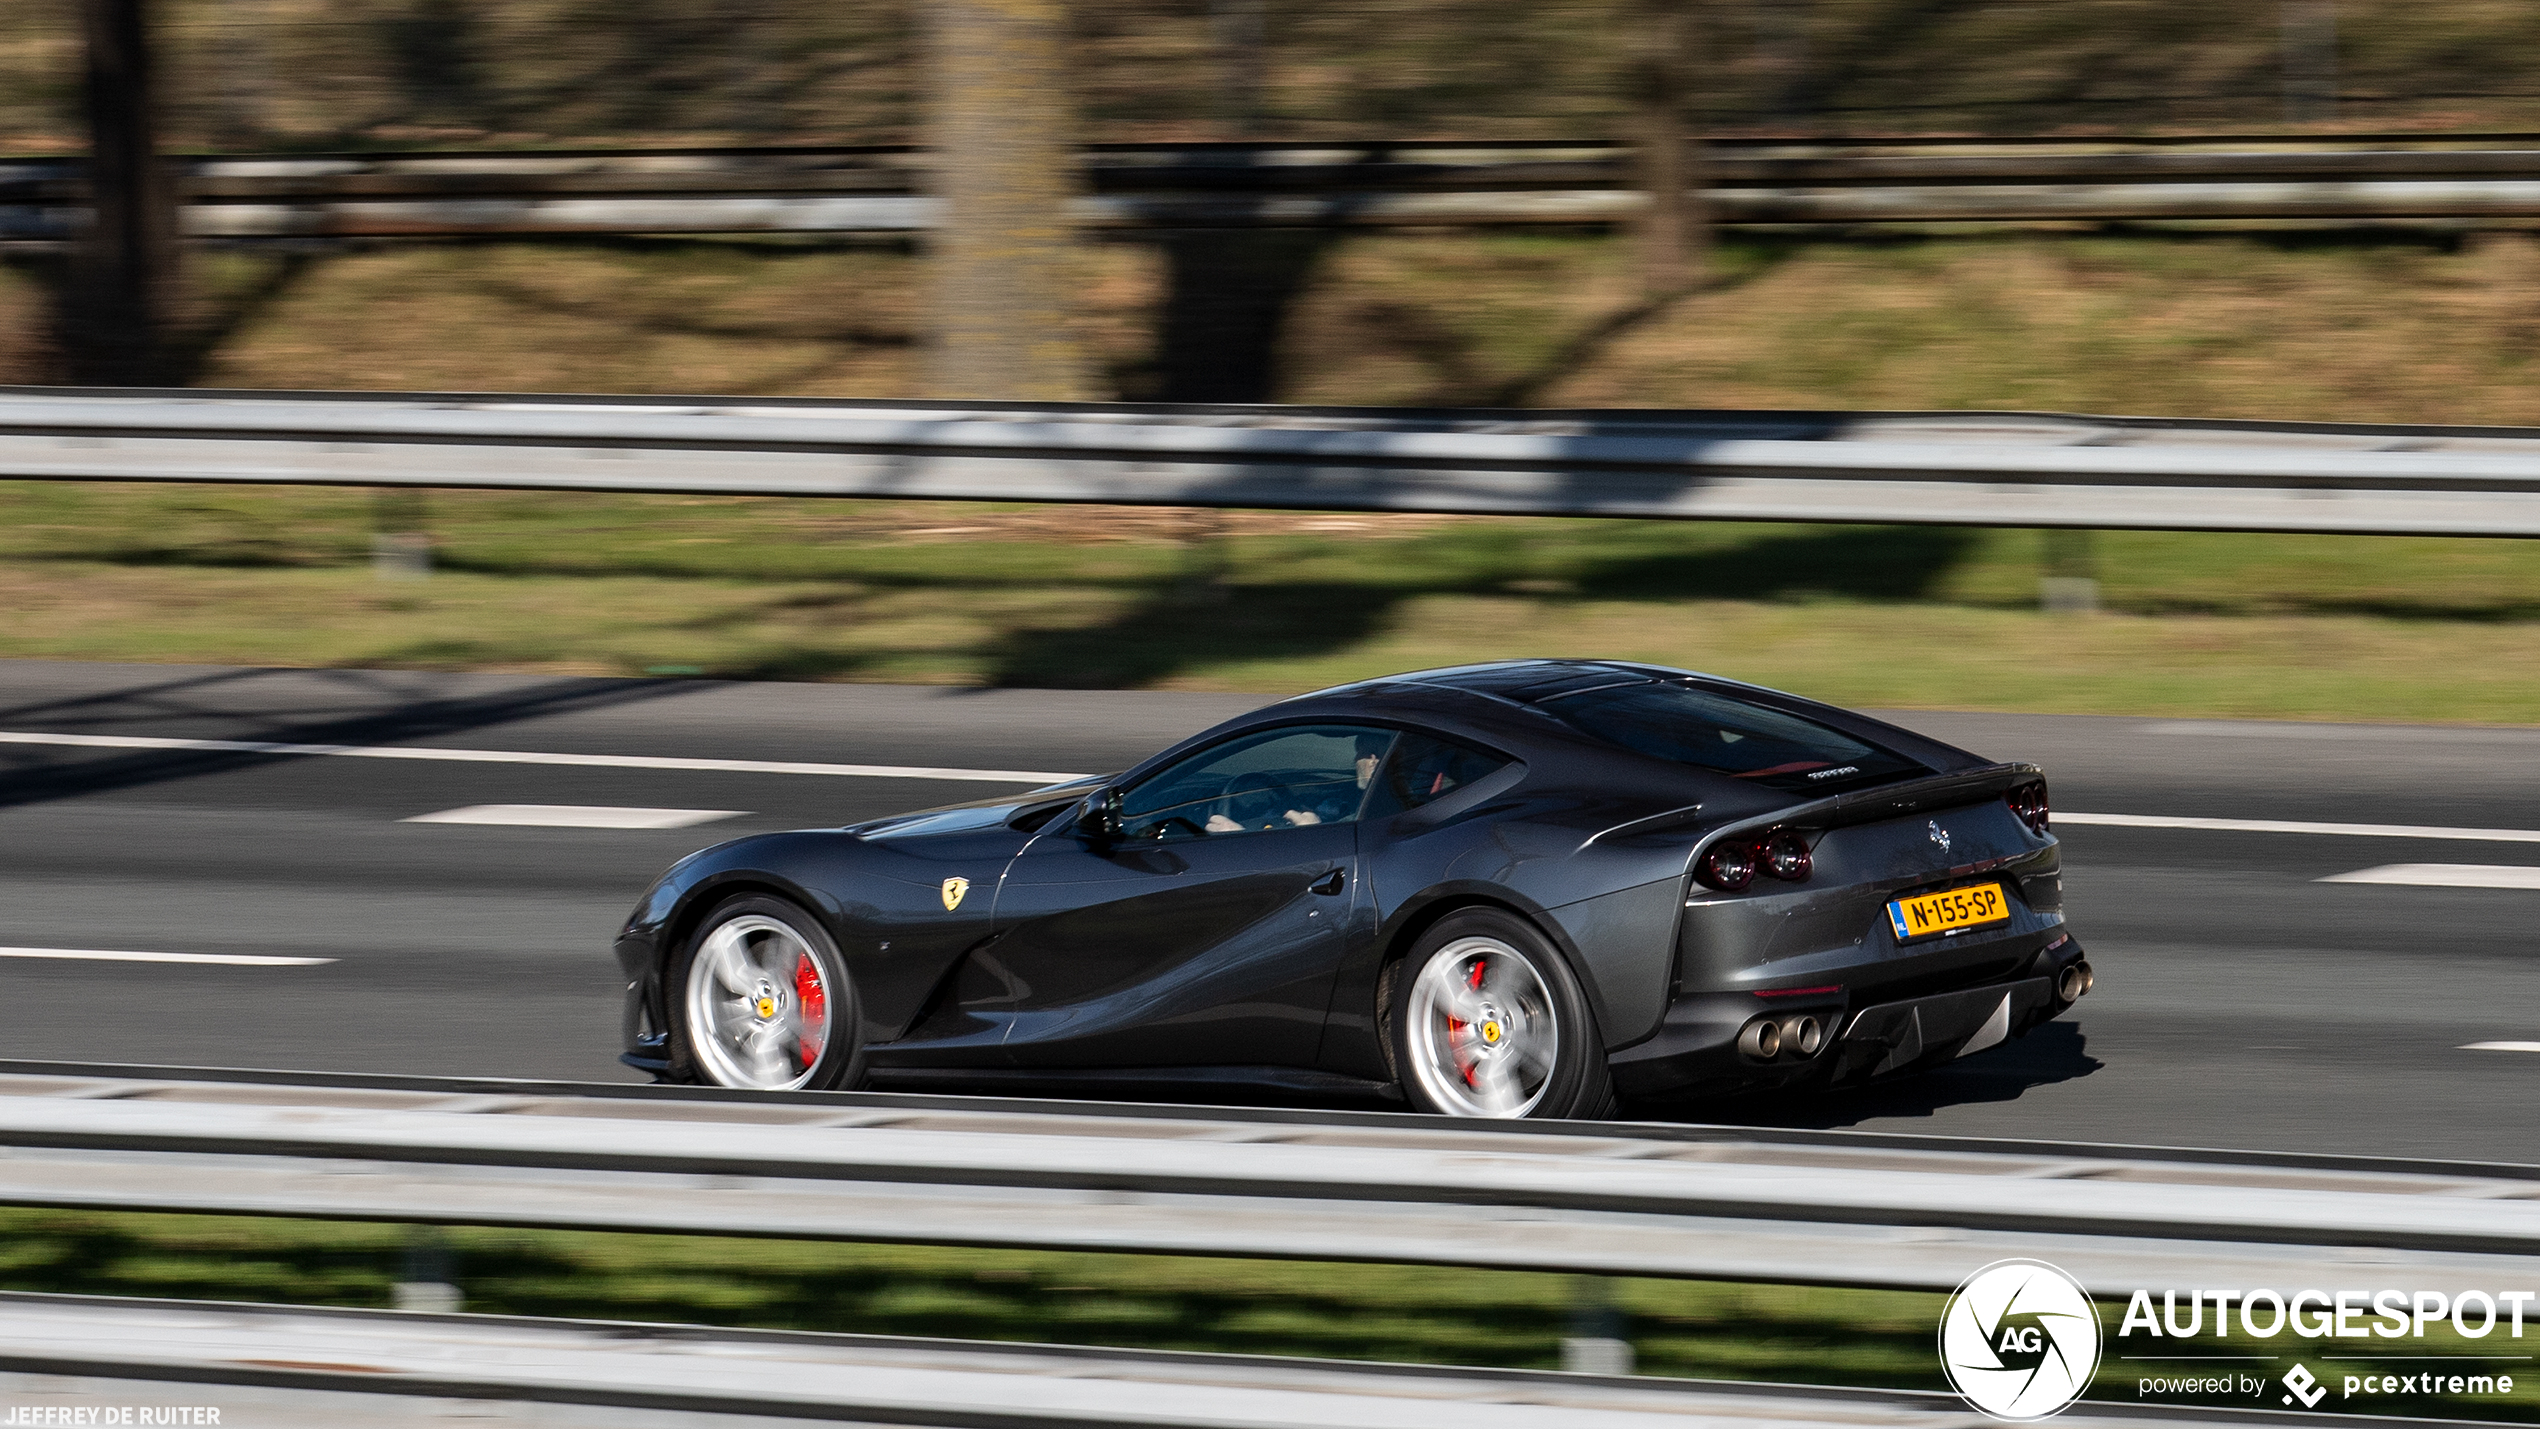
334 73
2406 329
1935 657
2324 327
2331 327
1269 637
765 318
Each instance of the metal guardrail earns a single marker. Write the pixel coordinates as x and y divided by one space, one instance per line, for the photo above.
1726 1203
2470 178
1963 468
277 1365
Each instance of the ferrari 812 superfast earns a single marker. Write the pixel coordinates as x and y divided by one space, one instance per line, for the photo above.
1521 889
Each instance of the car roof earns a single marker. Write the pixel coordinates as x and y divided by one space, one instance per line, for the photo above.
1505 698
1521 682
1494 702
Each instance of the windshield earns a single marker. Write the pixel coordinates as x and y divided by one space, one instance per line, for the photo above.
1711 730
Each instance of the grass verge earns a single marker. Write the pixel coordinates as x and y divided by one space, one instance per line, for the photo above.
1414 1314
763 588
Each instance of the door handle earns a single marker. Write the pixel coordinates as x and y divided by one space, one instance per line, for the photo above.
1330 883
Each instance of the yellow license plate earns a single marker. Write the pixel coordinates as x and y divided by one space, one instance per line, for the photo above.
1934 913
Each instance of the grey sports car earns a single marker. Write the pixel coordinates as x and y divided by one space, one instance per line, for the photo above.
1506 890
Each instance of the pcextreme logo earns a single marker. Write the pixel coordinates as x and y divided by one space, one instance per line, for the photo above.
2020 1340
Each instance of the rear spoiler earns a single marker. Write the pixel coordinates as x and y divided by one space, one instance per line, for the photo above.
1863 806
1913 796
1899 800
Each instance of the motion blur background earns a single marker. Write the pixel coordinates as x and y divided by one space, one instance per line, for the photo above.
1006 296
180 206
1005 290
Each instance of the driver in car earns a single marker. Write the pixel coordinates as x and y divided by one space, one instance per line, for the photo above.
1334 800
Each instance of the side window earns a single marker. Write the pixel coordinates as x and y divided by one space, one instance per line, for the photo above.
1425 768
1277 779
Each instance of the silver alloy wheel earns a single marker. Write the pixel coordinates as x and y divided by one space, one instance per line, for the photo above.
1482 1031
758 1005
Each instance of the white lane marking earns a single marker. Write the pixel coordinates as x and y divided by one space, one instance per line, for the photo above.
103 955
2501 1047
2290 826
518 756
574 816
2444 875
2376 733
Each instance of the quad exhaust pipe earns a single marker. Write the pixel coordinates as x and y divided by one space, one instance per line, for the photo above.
1768 1038
2074 982
1799 1036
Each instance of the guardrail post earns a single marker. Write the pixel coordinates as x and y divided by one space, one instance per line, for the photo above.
1596 1343
2070 582
428 1281
400 549
1207 557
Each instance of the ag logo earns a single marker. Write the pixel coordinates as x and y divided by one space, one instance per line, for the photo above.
954 888
2020 1340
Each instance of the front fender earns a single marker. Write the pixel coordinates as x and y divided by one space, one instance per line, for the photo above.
884 904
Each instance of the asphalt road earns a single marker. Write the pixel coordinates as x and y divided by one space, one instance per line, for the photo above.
2242 1003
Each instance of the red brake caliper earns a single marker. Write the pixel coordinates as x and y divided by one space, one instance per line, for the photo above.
813 998
1453 1026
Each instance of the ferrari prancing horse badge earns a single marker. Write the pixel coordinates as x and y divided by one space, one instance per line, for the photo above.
953 889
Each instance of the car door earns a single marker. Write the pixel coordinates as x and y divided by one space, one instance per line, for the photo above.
1207 931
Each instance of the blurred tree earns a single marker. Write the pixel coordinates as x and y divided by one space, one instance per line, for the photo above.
1238 33
116 322
442 79
1228 291
751 96
1675 229
244 78
1782 43
1004 173
2310 59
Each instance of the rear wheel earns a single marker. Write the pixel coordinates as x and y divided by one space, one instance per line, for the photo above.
1488 1021
760 1001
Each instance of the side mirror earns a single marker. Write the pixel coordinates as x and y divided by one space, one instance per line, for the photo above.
1101 819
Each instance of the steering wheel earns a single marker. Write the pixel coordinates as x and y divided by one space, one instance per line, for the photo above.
1242 791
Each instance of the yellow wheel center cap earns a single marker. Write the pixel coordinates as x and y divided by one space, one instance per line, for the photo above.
767 1007
1490 1031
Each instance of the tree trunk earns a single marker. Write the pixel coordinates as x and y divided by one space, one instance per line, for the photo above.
2310 60
1238 30
1675 229
1004 173
127 283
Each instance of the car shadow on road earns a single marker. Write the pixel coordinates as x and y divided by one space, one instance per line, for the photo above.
2056 1052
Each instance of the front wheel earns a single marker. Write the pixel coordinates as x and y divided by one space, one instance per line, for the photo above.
760 1001
1488 1021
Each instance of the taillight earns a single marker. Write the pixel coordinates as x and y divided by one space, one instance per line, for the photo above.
1786 857
2029 802
1728 866
1731 864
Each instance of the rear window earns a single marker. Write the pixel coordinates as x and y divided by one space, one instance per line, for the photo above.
1710 730
1426 768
